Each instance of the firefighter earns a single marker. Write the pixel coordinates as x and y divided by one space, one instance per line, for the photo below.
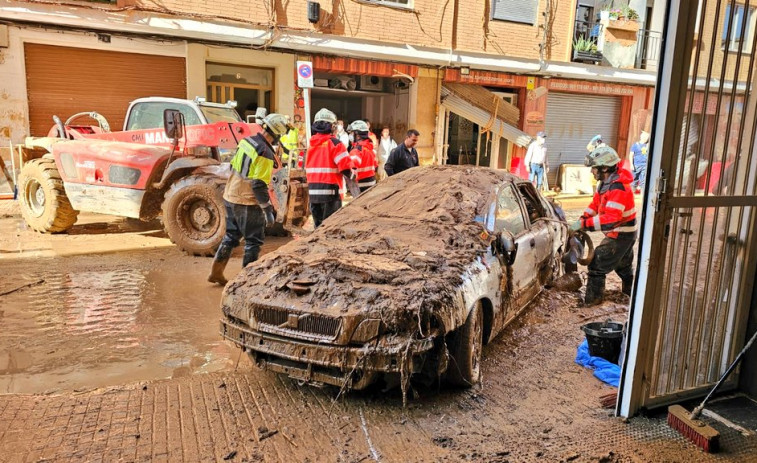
288 144
613 212
248 204
326 162
363 152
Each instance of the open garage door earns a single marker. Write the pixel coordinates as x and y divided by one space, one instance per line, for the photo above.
63 81
572 120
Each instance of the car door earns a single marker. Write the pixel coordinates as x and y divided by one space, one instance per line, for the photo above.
543 231
520 277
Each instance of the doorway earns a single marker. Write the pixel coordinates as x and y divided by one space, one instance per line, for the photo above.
249 86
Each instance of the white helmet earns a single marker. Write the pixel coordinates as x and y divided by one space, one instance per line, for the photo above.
325 115
276 124
604 156
358 126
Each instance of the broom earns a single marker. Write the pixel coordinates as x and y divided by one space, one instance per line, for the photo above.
688 424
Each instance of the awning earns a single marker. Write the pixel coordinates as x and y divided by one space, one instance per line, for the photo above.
483 118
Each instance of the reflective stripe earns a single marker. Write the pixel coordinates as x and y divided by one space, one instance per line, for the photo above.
339 158
630 212
322 192
615 205
365 169
321 170
590 211
597 223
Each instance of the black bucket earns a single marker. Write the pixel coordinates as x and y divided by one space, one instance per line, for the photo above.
604 339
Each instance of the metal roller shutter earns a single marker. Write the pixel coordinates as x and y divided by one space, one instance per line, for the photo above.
572 120
63 81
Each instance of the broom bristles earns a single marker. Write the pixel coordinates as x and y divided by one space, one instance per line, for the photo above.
702 435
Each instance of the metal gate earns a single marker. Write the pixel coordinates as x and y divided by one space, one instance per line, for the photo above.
572 120
697 251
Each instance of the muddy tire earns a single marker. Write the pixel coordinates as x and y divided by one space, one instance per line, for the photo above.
194 214
44 204
465 347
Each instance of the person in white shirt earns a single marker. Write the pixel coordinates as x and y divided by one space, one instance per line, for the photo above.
536 160
342 135
385 147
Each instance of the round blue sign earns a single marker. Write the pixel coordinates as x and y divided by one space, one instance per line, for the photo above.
305 71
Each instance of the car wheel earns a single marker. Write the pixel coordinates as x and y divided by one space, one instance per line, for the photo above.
465 346
44 204
194 214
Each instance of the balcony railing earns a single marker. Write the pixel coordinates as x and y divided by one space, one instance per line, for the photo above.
648 49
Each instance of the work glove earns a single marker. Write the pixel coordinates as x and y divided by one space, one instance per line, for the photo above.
270 219
577 225
353 173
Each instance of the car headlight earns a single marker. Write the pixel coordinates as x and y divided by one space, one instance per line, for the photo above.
366 330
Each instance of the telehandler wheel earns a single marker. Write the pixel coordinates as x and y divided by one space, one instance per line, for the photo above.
465 348
44 204
194 214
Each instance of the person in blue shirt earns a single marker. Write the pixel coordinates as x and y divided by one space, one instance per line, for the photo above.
638 156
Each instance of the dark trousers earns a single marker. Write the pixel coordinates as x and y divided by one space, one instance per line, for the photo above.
242 221
322 211
612 254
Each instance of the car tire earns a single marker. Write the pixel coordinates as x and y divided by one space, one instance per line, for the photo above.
44 204
194 214
465 348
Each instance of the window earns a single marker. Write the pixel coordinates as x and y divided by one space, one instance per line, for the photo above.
534 207
149 115
519 11
509 214
399 3
742 29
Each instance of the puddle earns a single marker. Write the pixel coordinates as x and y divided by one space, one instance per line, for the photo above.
92 328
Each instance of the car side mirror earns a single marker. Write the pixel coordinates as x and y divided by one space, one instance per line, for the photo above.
173 123
508 248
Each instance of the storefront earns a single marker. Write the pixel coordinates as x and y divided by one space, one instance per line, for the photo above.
374 91
571 112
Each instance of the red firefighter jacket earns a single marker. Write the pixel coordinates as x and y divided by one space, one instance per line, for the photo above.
326 159
612 210
367 165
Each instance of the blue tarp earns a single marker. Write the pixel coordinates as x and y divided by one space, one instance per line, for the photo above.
607 372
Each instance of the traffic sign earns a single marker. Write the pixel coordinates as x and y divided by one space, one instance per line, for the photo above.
304 74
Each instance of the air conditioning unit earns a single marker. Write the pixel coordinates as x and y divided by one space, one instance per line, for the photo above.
320 82
371 83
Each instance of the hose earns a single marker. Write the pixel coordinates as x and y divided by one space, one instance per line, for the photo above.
582 236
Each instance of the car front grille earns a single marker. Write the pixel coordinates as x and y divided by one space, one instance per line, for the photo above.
283 321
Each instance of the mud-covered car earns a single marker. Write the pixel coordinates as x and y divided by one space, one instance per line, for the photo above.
410 279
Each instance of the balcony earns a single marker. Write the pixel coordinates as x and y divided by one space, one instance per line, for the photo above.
618 43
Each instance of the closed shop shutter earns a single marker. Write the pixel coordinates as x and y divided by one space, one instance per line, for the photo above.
572 121
521 11
63 81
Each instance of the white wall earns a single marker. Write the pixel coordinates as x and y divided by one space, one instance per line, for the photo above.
282 63
14 107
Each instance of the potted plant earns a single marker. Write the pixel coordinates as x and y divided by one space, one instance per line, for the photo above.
585 50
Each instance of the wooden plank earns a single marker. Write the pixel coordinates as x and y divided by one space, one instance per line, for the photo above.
486 100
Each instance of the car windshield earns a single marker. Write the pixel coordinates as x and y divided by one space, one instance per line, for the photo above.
217 114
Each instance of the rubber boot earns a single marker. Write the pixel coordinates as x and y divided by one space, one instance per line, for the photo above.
627 286
594 292
250 255
219 264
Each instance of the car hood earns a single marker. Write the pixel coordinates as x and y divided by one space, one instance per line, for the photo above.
398 258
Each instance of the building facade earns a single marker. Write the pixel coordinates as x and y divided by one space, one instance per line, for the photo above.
393 62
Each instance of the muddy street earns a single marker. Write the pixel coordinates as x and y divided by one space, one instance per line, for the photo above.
116 356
